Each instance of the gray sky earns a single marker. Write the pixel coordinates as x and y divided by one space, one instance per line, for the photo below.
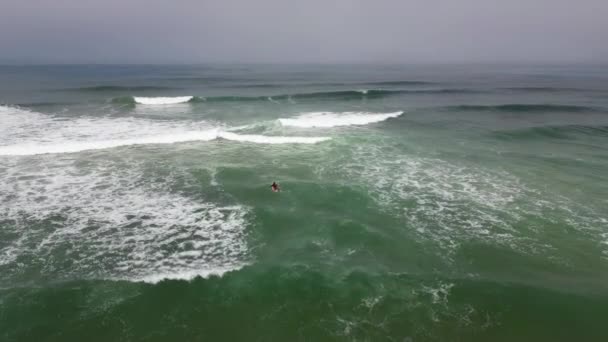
284 31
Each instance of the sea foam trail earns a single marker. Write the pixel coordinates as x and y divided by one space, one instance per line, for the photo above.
24 132
332 119
213 134
33 148
119 224
162 100
184 274
265 139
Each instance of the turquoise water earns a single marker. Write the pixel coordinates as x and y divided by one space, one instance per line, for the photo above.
419 203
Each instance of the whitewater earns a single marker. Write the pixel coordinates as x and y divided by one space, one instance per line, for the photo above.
29 133
162 100
332 119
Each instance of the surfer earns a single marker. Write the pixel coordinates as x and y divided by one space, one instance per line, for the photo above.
275 187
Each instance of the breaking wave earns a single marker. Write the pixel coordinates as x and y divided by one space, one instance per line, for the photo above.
332 119
29 133
109 222
343 95
162 100
523 108
265 139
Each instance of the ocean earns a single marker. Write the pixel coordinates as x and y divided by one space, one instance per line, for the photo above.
418 203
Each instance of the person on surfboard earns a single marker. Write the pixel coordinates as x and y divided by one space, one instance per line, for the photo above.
275 187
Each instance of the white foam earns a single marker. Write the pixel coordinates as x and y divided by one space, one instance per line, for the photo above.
445 204
186 274
15 121
450 203
78 146
106 220
333 119
28 133
265 139
439 293
162 100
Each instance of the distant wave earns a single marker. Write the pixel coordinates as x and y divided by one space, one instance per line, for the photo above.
24 132
555 132
396 83
324 95
377 93
113 88
329 84
541 89
523 108
345 95
446 91
331 119
255 85
216 80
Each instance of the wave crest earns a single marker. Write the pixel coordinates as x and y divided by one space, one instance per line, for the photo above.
332 119
523 108
162 100
265 139
342 95
35 148
554 132
24 132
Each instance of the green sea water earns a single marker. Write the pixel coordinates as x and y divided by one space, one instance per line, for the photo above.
418 203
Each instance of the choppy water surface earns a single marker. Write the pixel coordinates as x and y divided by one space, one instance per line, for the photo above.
445 203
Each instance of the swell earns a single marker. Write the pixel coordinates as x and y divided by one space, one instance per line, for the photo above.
331 84
542 89
299 303
114 88
346 94
397 83
376 93
554 132
325 95
522 108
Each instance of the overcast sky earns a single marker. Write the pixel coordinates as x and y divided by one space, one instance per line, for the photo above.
316 31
